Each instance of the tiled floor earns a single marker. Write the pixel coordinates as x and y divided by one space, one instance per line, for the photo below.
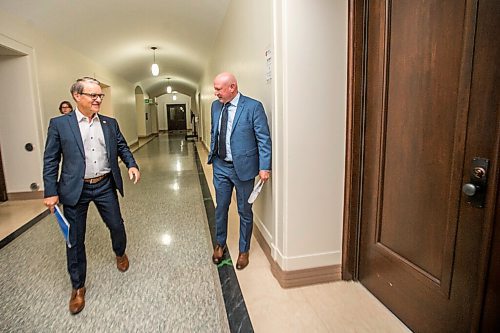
333 307
171 285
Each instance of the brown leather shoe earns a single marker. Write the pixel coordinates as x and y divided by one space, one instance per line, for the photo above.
77 300
242 260
122 263
218 253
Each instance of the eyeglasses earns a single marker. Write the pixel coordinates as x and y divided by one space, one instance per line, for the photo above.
94 96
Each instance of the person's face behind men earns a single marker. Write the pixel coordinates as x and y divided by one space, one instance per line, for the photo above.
65 109
224 89
86 104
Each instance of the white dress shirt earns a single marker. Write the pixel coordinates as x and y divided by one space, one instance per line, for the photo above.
96 155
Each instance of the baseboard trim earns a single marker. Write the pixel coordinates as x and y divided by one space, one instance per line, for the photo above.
306 277
298 278
152 135
31 195
263 244
134 146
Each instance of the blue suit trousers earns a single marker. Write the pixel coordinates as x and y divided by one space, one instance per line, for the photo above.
104 196
225 179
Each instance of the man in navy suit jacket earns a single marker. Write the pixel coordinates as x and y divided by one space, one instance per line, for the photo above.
240 149
89 145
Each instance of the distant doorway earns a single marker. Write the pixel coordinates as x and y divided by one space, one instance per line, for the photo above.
176 117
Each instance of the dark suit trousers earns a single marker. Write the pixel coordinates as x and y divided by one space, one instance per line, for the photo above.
225 179
104 196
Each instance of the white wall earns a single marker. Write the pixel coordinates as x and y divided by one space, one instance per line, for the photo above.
312 44
54 68
300 215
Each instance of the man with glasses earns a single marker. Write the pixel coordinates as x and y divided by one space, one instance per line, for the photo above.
89 145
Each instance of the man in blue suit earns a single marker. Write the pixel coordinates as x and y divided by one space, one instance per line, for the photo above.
240 149
89 145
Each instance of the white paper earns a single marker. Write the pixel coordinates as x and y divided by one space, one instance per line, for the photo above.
256 191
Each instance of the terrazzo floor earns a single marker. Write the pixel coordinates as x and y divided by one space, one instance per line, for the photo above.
171 286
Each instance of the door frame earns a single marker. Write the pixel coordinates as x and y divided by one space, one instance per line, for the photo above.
355 124
356 65
171 106
3 186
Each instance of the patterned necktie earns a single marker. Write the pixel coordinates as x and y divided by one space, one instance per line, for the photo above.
222 132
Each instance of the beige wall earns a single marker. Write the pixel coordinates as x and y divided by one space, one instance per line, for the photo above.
300 212
145 127
312 48
140 109
240 49
54 67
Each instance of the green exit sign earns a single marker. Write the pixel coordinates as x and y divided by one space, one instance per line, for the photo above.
148 101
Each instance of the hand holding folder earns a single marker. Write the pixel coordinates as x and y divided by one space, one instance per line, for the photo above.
63 224
256 191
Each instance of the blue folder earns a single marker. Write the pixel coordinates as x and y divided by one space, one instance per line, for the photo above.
63 224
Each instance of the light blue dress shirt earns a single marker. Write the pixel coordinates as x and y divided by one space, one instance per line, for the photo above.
231 111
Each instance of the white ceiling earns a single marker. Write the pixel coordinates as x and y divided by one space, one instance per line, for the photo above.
119 33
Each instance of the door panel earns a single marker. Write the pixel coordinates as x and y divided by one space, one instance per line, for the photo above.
420 241
176 115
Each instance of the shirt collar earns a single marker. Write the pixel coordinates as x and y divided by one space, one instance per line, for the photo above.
80 116
235 100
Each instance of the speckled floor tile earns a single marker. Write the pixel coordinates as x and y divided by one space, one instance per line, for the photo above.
171 285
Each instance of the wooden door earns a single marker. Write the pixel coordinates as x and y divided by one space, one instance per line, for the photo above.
176 114
3 186
430 102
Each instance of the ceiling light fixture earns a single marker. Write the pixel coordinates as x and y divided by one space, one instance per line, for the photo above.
169 87
155 70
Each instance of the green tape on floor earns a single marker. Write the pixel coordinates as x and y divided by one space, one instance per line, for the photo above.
226 262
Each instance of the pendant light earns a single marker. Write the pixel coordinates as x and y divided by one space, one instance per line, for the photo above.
169 87
155 70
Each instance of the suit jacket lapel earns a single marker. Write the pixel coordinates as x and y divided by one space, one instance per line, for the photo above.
73 124
239 110
105 131
217 113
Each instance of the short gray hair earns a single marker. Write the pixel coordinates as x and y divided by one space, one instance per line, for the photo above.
77 87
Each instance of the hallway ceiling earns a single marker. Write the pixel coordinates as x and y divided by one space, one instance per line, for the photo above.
118 34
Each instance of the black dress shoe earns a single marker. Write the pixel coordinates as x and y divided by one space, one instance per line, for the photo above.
218 253
242 260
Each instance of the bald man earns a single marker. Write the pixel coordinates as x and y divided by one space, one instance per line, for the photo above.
240 149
